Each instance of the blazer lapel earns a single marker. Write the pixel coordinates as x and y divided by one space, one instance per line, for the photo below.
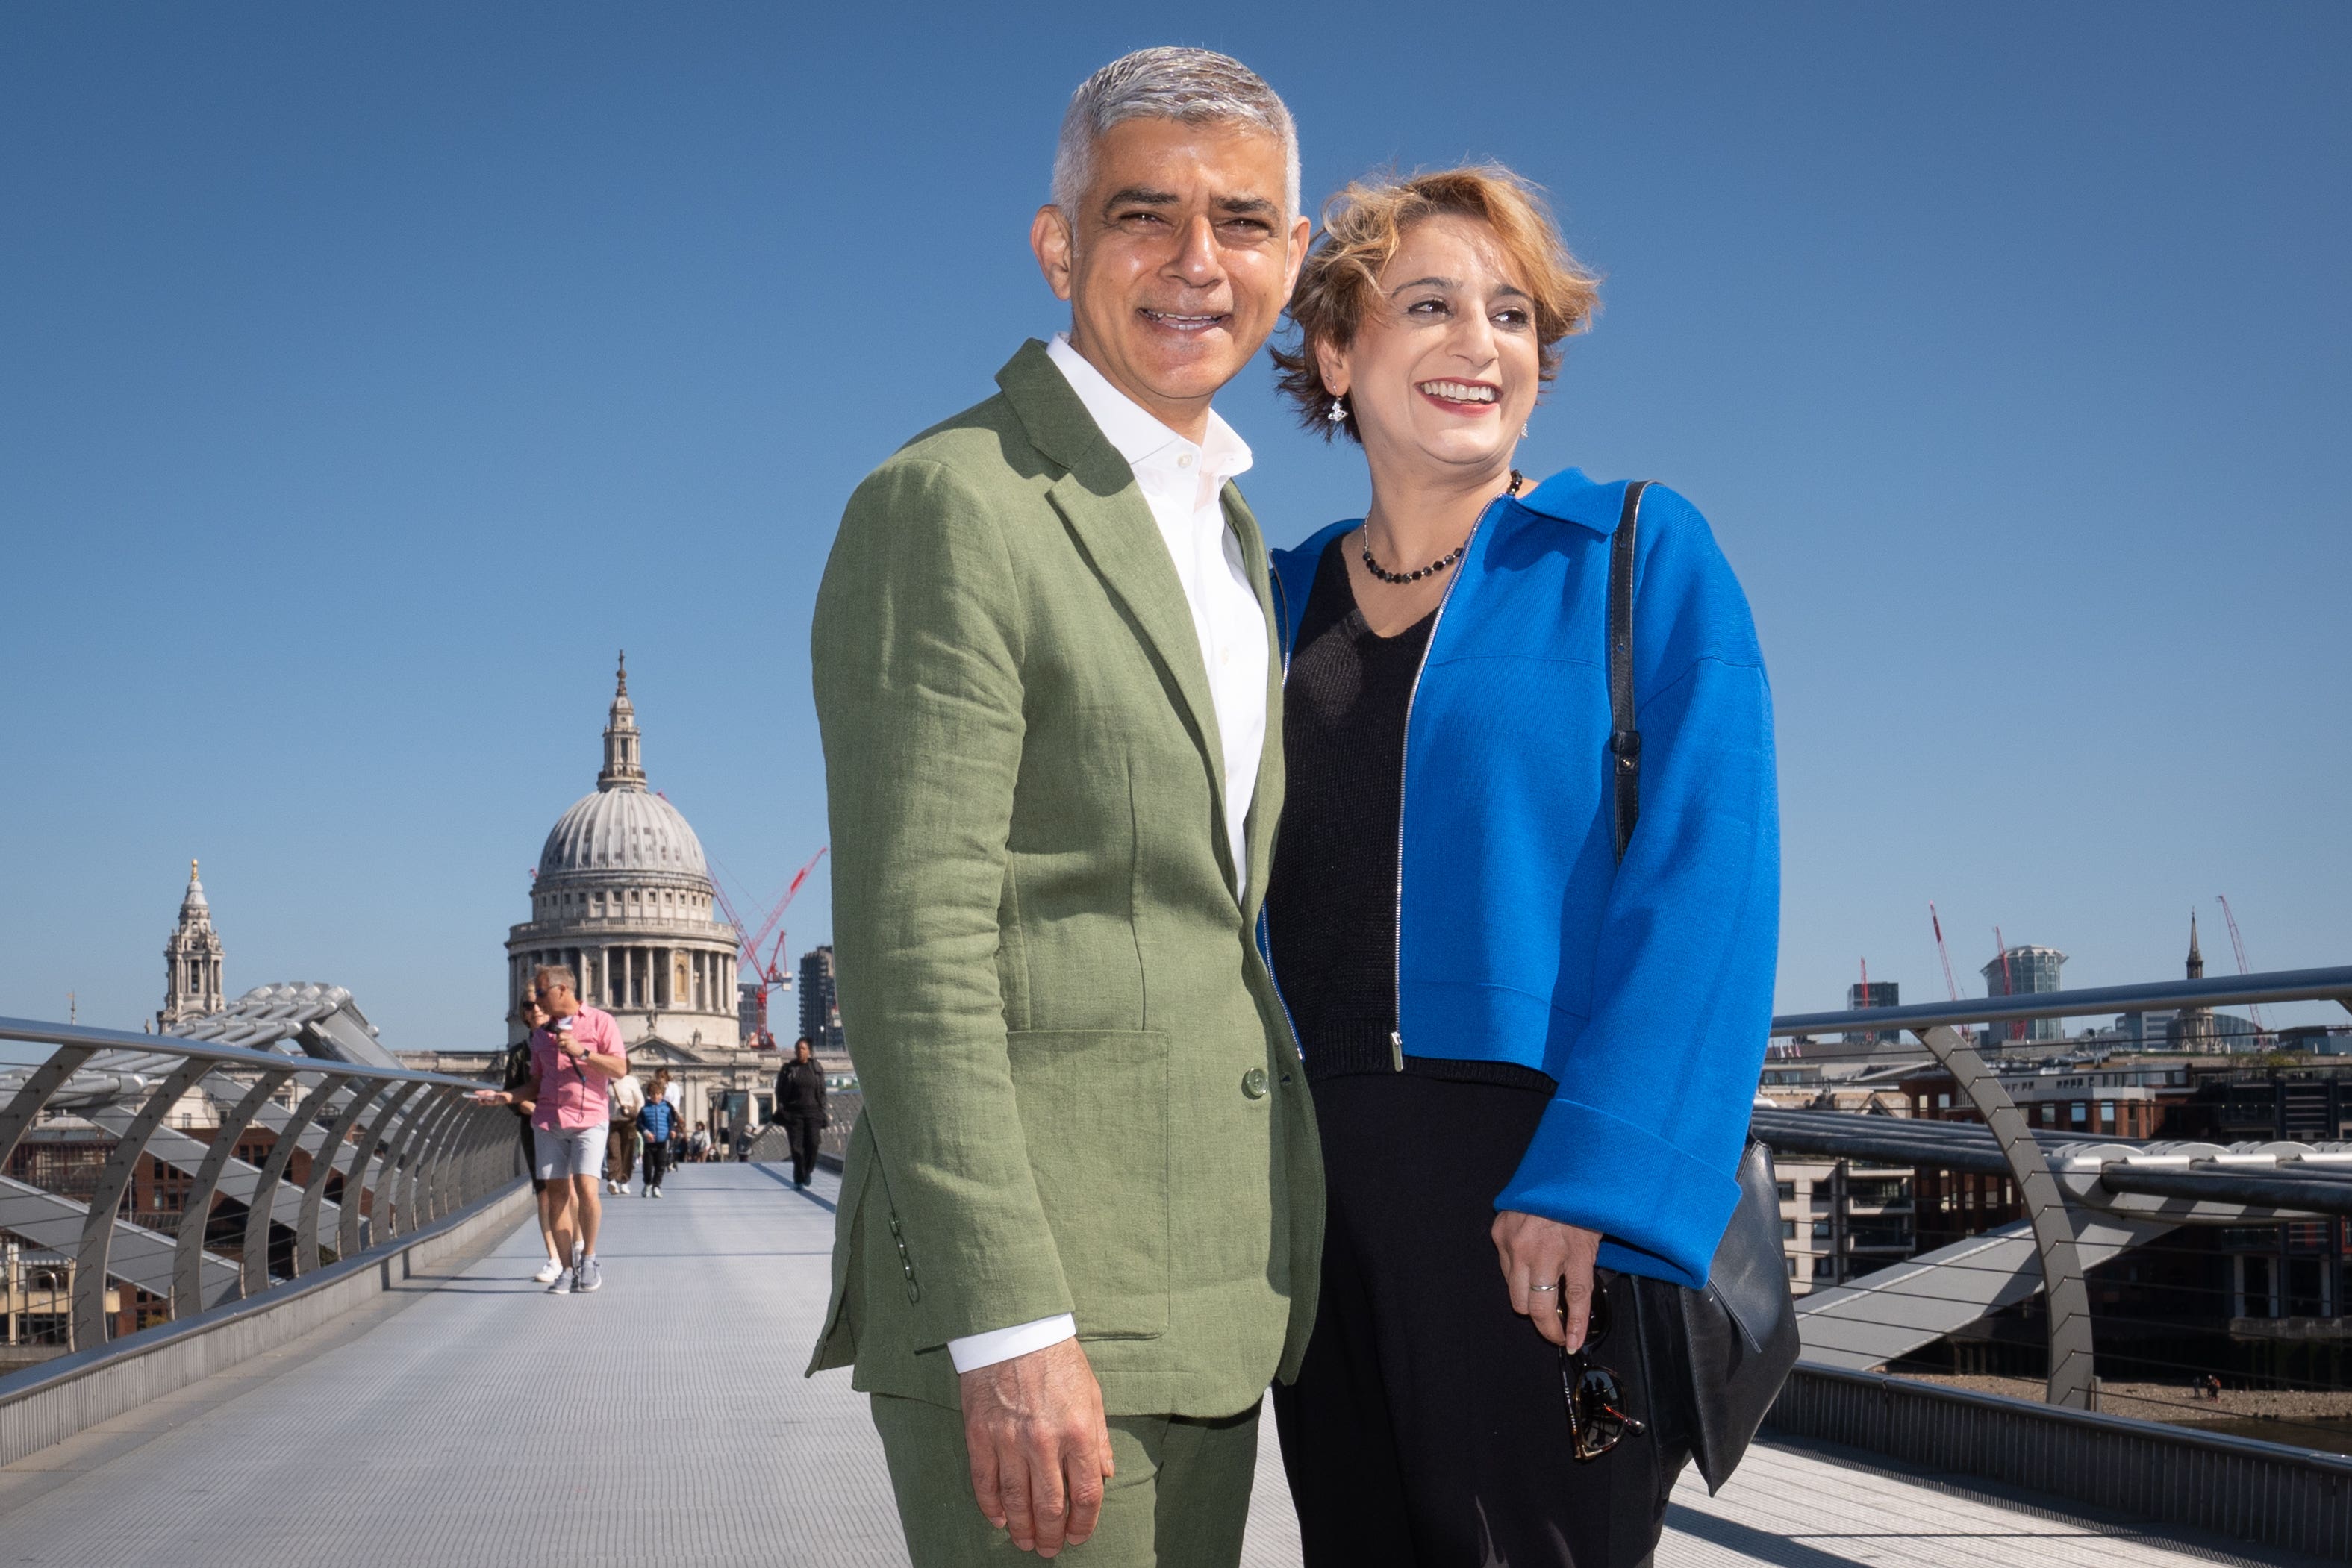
1106 512
1265 798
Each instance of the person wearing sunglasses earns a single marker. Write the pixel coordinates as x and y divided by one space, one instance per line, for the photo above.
1530 1018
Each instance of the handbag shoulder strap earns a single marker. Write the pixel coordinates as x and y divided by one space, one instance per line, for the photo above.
1624 731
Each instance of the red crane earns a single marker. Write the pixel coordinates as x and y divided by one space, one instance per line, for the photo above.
2238 945
1950 985
2008 986
764 975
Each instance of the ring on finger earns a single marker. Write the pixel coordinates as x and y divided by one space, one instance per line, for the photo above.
1535 1289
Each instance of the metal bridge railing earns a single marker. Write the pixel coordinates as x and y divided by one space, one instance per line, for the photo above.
2021 1152
408 1148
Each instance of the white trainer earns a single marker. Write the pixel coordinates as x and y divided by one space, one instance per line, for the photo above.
548 1271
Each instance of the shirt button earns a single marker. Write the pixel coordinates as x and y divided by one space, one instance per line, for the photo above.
1184 460
1254 1084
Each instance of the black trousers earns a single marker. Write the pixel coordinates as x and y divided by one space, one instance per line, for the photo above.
1427 1428
657 1158
805 1132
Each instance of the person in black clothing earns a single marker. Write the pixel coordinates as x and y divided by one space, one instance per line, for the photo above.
800 1105
1530 1128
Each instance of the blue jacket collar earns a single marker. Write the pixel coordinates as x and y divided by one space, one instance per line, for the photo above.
1569 496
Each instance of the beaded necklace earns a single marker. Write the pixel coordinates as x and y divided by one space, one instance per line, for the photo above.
1440 563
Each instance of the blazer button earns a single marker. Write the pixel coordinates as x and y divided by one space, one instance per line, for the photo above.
1254 1084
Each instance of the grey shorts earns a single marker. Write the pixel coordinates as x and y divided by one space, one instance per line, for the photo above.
571 1151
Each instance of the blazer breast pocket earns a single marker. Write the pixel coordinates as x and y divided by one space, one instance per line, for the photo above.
1095 1113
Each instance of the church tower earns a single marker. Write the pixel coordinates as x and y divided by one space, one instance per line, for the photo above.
192 962
2194 1030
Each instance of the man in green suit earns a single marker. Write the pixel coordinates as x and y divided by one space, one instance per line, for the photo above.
1081 1215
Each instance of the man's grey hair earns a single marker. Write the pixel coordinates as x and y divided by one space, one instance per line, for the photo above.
1196 86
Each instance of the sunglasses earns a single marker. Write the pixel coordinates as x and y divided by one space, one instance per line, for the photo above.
1597 1412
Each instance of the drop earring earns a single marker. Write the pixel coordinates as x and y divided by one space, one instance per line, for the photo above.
1522 430
1338 413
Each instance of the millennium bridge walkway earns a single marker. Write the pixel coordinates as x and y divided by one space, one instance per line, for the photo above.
315 1337
416 1429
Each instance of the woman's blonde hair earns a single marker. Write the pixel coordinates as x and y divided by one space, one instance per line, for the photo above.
1363 226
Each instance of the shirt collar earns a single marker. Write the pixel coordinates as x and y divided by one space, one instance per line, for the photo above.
1135 433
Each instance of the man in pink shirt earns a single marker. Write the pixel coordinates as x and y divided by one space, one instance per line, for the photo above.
576 1055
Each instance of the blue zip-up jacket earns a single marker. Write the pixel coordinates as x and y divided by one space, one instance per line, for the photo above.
1643 989
655 1118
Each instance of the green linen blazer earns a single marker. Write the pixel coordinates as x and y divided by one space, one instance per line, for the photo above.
1082 1091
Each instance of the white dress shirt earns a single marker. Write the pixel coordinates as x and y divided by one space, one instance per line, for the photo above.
1182 483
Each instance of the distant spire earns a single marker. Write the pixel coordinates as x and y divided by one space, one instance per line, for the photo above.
623 768
192 961
2196 960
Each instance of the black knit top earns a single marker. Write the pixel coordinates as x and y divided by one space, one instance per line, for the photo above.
1331 903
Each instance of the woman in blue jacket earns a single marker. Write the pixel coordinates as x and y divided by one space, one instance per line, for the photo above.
1532 1062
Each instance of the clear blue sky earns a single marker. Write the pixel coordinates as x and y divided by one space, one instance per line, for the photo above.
368 374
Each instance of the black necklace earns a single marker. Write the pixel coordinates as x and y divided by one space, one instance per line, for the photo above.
1440 563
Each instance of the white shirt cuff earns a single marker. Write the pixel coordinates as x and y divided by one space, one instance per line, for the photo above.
973 1352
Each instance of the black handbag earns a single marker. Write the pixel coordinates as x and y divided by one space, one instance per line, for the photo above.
1740 1334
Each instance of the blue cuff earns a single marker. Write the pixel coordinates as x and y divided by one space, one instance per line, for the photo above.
1663 1210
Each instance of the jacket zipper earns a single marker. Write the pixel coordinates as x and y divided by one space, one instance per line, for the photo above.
1396 1035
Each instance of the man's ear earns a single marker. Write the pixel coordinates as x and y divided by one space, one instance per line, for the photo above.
1050 238
1302 231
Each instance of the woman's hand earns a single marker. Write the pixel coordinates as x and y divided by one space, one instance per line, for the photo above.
491 1097
1538 1253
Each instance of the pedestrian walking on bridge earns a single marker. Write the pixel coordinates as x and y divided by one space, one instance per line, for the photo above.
655 1122
800 1106
621 1142
517 1074
574 1057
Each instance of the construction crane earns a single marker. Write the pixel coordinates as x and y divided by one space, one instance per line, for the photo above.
1950 985
755 974
2008 986
2238 946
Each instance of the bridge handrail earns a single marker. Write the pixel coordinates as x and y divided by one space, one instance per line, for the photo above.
36 1032
2333 984
428 1147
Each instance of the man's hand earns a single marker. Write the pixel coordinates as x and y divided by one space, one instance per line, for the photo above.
1040 1449
1538 1252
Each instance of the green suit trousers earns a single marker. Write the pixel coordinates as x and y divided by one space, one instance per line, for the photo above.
1179 1498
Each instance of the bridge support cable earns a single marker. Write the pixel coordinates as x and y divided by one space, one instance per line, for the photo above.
26 1103
86 1320
188 1296
323 1167
349 1240
255 1262
392 1195
2068 1294
441 1164
447 1176
412 1187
